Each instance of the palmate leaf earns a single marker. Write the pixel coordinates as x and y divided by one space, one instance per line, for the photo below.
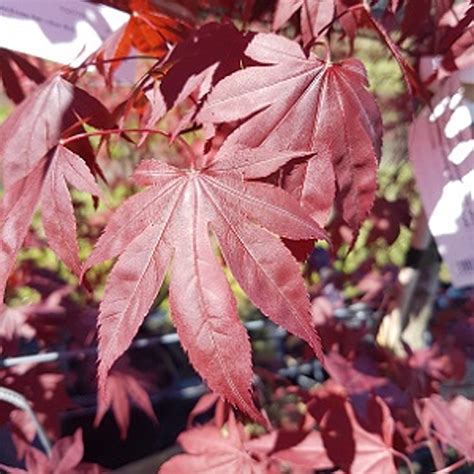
47 185
169 225
452 422
35 127
11 79
210 450
66 456
124 387
209 54
349 445
304 103
302 449
36 168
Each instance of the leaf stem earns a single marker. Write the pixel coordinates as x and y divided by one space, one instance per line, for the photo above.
119 131
111 131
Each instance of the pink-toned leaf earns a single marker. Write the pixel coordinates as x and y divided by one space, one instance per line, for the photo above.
348 444
171 222
297 448
304 103
274 271
452 422
65 458
17 208
47 184
204 404
67 453
209 450
36 125
56 207
131 289
372 454
217 343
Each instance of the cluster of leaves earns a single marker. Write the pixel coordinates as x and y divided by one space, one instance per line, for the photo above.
276 144
374 412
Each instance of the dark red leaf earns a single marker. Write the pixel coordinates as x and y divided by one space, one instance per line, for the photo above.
11 81
387 218
37 124
209 54
314 15
121 389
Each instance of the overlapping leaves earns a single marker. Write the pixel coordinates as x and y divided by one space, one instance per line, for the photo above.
37 168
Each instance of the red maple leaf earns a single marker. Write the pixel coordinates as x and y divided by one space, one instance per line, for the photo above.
36 168
349 445
297 448
170 223
452 422
307 104
65 457
9 61
209 449
373 451
387 218
35 127
362 378
121 389
208 55
46 184
314 15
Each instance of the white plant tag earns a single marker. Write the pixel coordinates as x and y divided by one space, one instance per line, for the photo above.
64 31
